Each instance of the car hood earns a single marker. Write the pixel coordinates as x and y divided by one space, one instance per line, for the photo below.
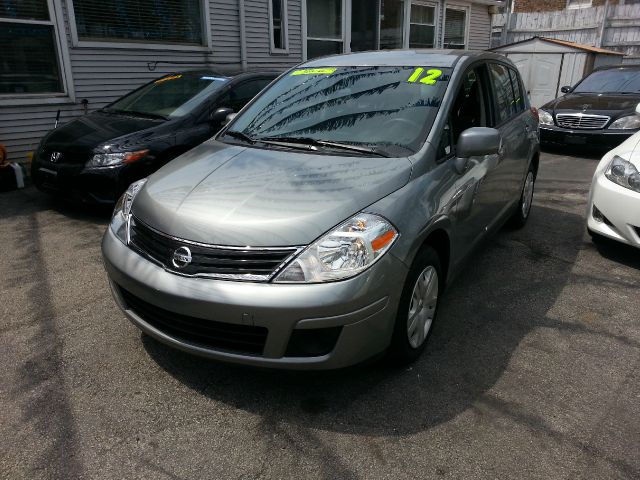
233 195
595 103
84 134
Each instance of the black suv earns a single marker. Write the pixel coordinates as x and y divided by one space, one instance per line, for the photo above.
599 111
94 159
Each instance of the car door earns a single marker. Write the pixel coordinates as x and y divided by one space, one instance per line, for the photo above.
510 120
477 190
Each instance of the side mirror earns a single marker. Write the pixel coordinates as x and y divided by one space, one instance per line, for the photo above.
476 142
566 89
219 115
228 118
638 109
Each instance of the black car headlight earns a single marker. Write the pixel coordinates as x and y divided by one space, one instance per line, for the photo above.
545 117
122 211
630 122
111 159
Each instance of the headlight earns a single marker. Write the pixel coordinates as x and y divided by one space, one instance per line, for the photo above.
122 211
545 117
110 159
630 122
623 173
352 247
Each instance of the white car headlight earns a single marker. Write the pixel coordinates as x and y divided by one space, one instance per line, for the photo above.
623 173
122 211
110 159
630 122
545 117
349 249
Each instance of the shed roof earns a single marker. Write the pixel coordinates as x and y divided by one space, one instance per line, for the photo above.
565 43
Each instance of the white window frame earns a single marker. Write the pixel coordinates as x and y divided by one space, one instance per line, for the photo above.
467 20
407 20
285 28
64 65
206 29
585 4
346 32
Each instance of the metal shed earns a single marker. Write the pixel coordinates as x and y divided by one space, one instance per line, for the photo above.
547 64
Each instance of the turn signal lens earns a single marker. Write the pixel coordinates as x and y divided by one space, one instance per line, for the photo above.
348 250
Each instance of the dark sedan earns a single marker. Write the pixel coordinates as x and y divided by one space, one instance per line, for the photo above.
95 158
598 112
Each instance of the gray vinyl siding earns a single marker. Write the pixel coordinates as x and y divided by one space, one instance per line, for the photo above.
479 27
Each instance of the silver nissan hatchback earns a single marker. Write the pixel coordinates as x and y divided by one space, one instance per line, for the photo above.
320 227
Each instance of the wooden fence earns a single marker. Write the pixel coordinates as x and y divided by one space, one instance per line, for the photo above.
620 31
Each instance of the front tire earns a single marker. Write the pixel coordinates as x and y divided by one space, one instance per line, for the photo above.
521 215
418 307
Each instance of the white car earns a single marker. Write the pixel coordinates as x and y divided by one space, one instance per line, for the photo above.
614 199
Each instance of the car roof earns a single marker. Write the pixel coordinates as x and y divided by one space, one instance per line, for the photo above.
618 67
401 58
228 76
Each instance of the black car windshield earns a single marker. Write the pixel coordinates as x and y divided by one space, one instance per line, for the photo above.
616 80
171 96
391 108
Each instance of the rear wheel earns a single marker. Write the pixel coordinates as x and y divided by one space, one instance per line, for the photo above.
521 215
418 307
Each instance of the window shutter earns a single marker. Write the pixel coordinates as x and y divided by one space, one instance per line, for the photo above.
151 21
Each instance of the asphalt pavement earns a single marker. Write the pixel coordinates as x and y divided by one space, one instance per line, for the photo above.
532 371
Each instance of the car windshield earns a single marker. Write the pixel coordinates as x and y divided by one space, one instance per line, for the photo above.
171 96
617 80
391 108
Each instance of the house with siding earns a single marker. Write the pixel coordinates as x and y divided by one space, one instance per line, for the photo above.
76 56
608 24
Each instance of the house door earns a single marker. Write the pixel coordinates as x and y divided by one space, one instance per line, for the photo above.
540 73
325 27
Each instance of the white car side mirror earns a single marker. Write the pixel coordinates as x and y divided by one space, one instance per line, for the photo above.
638 109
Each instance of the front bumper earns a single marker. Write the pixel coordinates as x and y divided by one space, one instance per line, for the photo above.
621 210
98 186
601 138
364 307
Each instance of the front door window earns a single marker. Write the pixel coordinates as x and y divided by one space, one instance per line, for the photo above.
324 28
422 27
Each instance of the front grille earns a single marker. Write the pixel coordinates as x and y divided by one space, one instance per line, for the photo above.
198 331
64 158
581 121
234 263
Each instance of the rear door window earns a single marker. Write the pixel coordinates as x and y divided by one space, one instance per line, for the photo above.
517 91
239 95
503 92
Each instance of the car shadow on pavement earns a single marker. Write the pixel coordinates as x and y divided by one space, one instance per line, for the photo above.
618 252
17 202
504 293
586 152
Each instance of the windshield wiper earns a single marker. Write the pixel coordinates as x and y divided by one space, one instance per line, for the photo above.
136 114
312 142
240 135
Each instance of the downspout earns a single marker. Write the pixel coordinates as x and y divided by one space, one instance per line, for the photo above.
243 38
